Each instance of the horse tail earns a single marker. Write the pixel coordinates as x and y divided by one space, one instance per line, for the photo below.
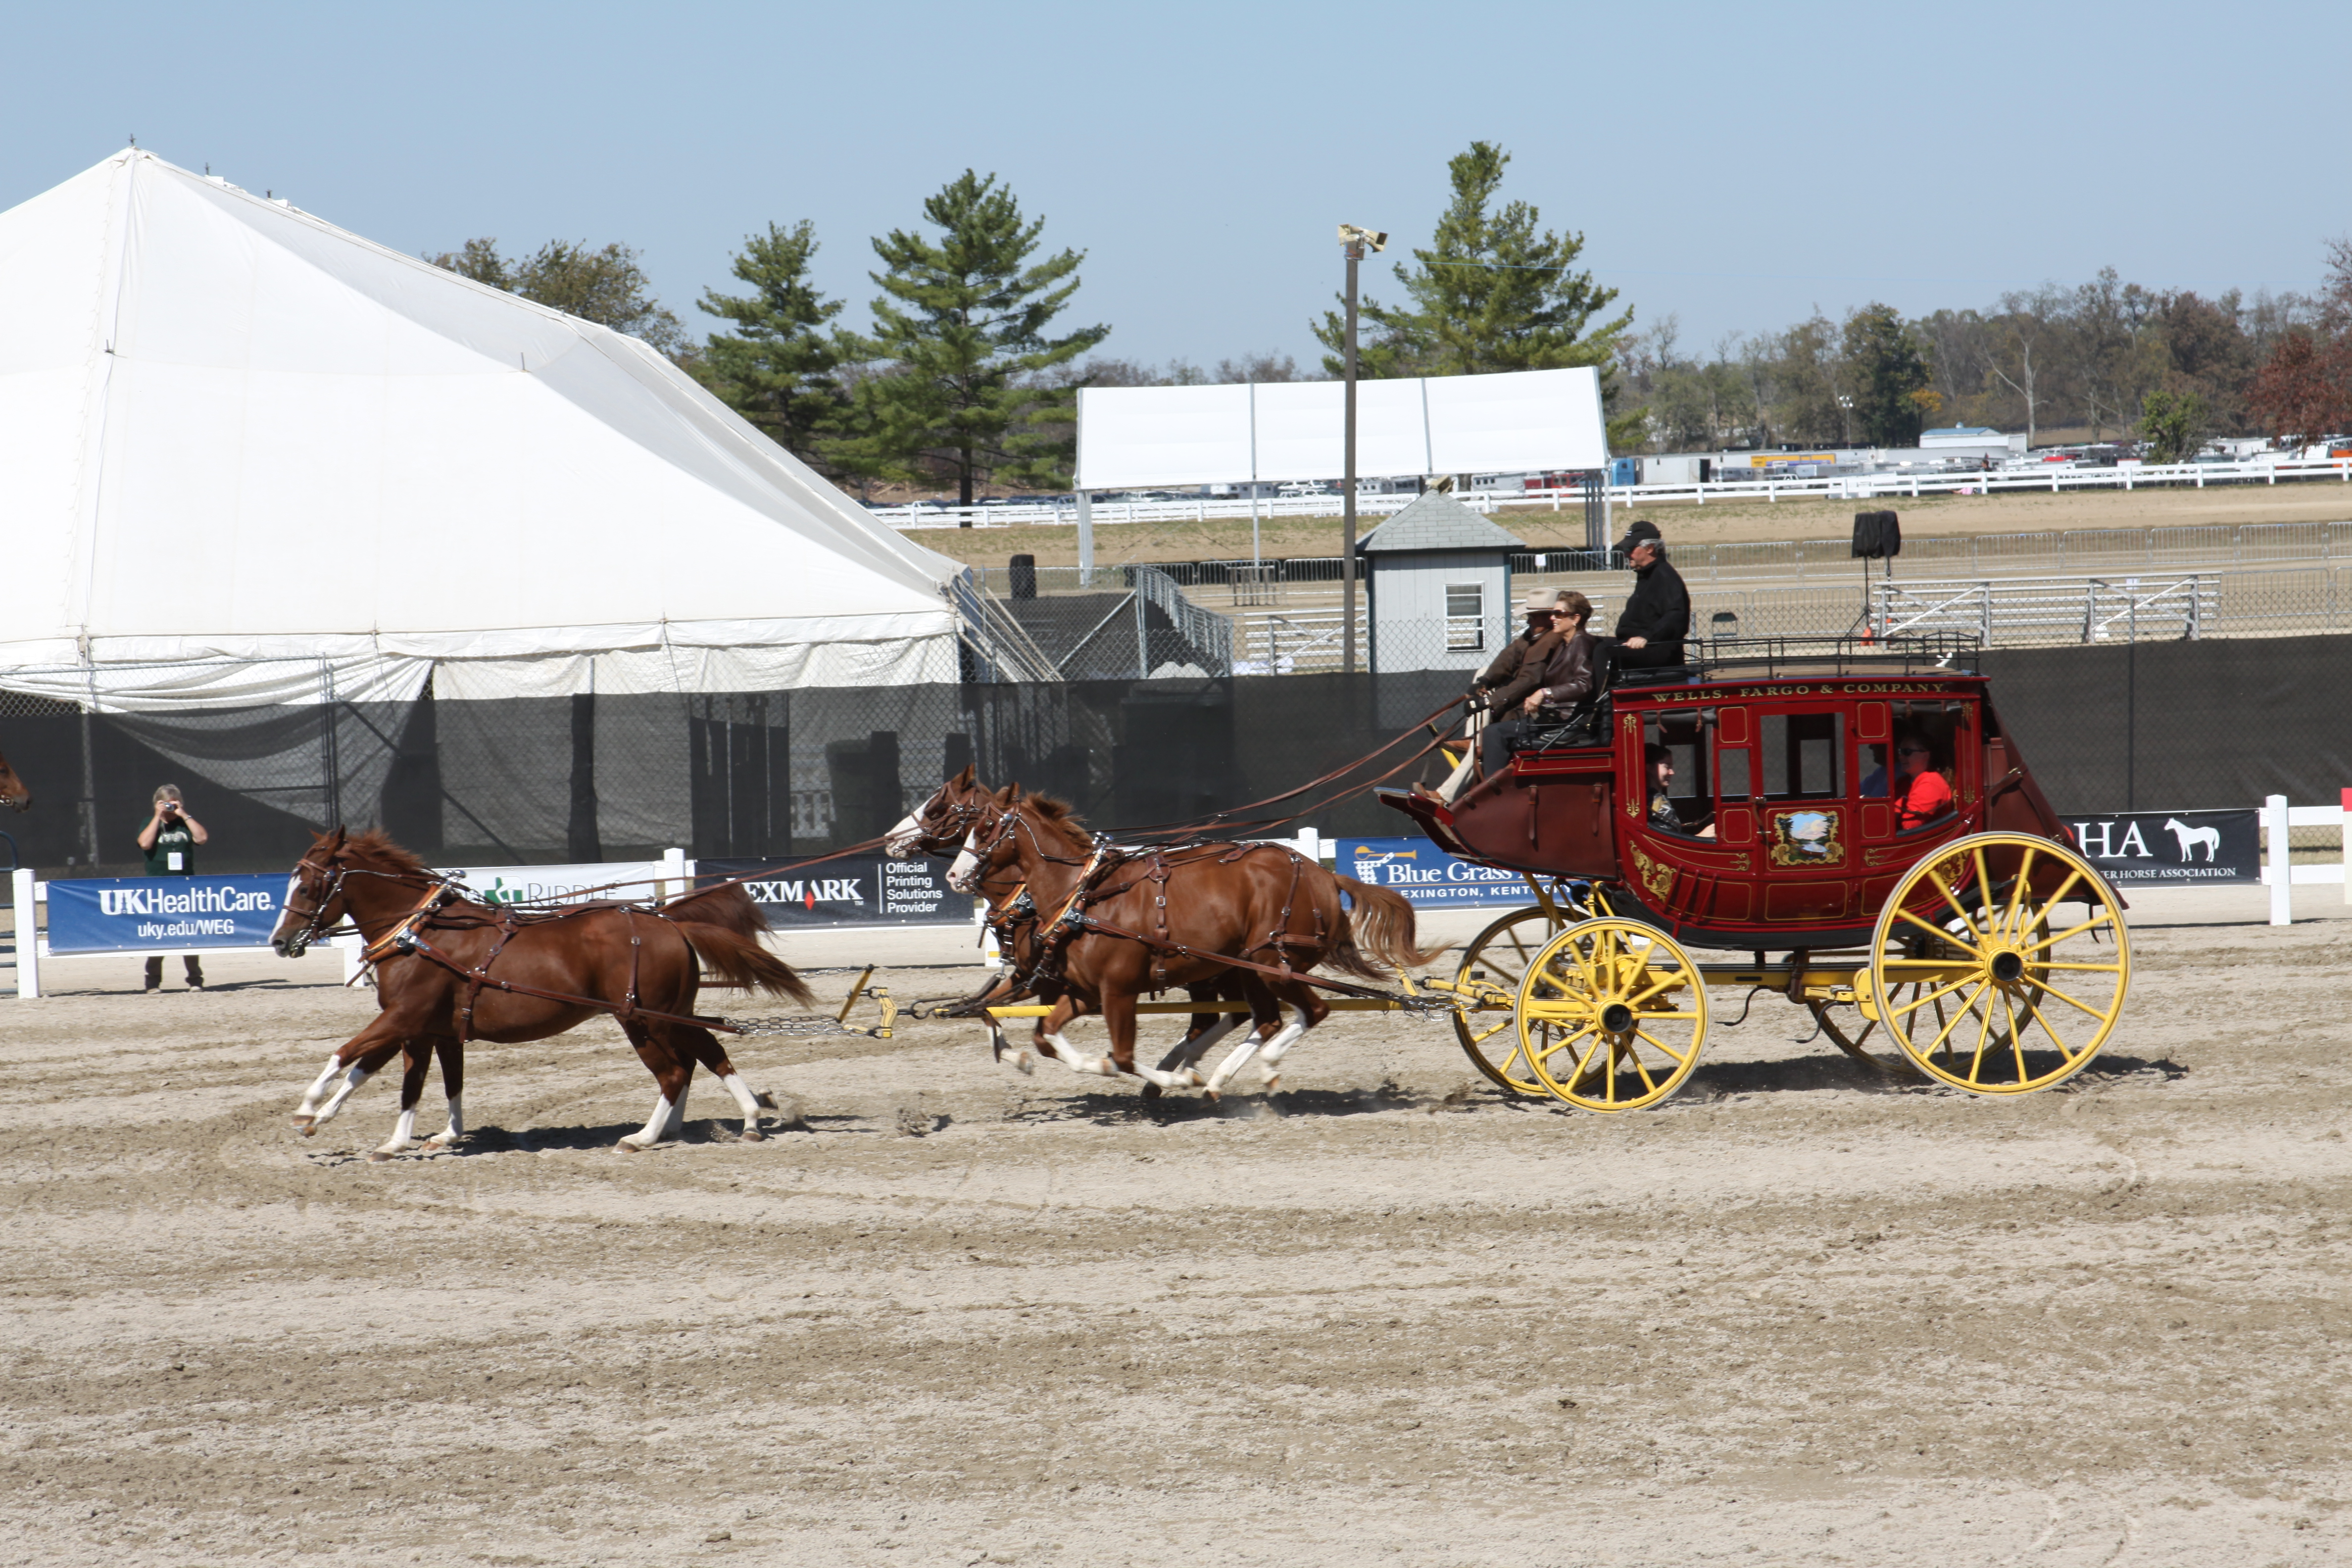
1381 930
741 960
729 905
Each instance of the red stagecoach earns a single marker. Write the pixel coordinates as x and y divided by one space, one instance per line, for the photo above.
1976 944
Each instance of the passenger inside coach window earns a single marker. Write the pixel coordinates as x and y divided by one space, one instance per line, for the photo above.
1923 793
1662 815
1874 778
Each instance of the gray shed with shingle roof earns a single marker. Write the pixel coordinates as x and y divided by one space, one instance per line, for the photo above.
1437 586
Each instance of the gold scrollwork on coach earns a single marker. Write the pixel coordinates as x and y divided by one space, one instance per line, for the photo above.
1656 878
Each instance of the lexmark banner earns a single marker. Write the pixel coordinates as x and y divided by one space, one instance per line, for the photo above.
862 889
2177 847
126 914
1427 876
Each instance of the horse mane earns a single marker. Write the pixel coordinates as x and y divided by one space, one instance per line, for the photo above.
1062 817
376 846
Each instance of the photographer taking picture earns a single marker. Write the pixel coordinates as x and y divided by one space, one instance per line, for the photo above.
169 841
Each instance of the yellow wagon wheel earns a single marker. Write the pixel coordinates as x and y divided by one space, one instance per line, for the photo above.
1493 965
1611 1016
1992 989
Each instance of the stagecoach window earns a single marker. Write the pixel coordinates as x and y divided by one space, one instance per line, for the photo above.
1731 770
1684 739
1465 617
1801 754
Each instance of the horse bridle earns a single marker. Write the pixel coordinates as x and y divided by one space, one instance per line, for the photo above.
949 836
313 917
312 929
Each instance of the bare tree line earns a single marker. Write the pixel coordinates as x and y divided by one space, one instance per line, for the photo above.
2083 360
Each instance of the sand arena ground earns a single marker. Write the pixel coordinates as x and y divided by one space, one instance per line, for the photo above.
1386 1315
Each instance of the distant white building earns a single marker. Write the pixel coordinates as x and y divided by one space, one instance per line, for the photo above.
1965 443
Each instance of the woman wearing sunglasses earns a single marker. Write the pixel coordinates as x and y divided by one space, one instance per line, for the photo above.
1921 794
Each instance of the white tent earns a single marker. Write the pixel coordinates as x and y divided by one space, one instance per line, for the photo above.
247 457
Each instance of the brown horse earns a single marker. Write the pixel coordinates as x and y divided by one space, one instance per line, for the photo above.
13 792
939 828
1188 911
638 964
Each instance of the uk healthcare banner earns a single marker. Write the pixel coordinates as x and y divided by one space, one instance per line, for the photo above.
2176 848
1427 876
864 890
128 914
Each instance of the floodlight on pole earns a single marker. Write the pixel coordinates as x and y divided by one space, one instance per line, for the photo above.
1352 243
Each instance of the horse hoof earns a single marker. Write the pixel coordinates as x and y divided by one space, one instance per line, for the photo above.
765 1101
309 1130
1026 1064
1212 1095
378 1156
754 1135
1151 1091
1273 1083
625 1147
304 1123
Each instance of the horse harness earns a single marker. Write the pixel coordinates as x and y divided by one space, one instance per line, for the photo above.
1151 866
407 937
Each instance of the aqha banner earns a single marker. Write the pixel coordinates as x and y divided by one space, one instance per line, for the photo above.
2179 848
127 914
862 889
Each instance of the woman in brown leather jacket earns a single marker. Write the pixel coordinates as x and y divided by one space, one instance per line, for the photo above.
1542 696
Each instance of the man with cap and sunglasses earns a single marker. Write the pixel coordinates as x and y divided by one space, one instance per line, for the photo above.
1656 618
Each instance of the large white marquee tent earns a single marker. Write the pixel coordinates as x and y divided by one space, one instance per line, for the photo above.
247 457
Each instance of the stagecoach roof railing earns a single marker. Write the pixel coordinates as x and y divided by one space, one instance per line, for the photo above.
1709 659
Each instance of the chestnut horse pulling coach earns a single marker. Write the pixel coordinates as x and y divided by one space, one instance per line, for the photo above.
1090 926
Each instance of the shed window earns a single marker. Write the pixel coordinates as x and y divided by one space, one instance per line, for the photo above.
1465 617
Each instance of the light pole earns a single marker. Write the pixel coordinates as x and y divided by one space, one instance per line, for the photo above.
1352 241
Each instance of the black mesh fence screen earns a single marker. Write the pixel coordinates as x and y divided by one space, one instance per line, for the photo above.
2180 725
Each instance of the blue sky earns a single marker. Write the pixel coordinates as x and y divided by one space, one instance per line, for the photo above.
1732 165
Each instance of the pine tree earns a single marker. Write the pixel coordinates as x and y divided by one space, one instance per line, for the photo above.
778 368
1493 292
959 343
1884 361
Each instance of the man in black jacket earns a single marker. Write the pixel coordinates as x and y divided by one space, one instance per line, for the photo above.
1656 618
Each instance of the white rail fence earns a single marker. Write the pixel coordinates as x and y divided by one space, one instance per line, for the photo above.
2279 822
2046 476
2039 610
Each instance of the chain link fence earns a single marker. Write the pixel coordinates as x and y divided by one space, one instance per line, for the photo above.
2108 725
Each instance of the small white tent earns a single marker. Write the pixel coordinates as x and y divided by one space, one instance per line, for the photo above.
249 458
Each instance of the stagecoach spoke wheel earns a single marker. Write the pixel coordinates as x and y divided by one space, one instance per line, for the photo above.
2000 964
1611 1016
1493 965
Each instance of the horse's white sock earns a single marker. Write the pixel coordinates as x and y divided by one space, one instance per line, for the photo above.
745 1099
457 1128
656 1126
351 1082
319 1086
1182 1061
